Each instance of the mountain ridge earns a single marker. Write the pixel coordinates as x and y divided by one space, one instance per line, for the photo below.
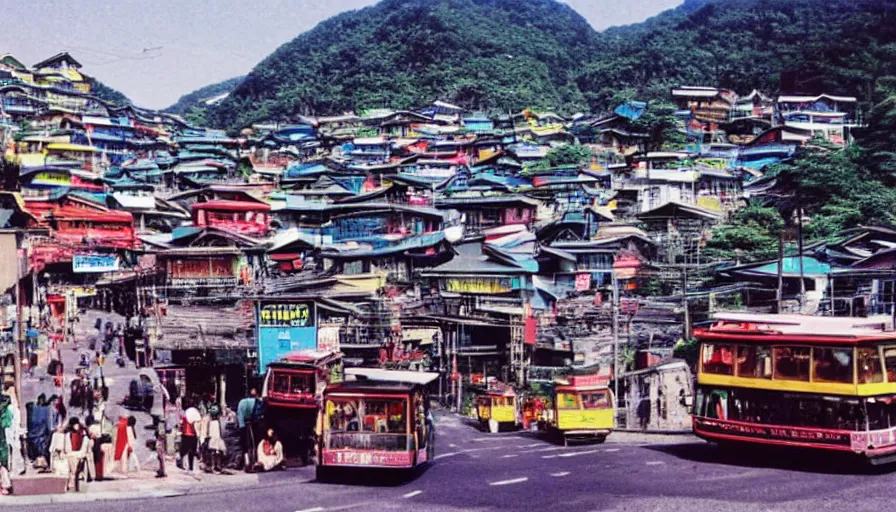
503 55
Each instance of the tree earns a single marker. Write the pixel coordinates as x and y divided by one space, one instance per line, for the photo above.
752 235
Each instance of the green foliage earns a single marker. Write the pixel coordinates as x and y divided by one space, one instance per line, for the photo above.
106 93
488 55
568 154
752 231
659 122
687 350
500 55
192 104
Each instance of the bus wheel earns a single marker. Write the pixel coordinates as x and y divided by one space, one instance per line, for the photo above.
493 426
323 474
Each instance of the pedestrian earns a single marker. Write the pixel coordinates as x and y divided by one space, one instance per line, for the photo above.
98 361
76 449
123 447
248 413
132 443
5 453
161 447
13 433
215 447
188 437
269 452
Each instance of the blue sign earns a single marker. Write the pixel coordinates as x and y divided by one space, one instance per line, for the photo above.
284 328
84 263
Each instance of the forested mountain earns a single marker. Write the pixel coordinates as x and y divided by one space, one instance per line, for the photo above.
500 55
484 54
188 104
106 93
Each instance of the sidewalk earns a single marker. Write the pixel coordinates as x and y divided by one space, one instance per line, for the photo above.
117 379
146 486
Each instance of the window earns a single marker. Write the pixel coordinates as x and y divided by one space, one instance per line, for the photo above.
281 383
890 363
754 361
300 384
374 415
596 400
718 358
832 364
869 365
792 363
567 401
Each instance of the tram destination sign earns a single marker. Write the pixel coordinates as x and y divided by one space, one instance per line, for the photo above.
772 432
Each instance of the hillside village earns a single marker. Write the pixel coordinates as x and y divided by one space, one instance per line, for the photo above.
486 248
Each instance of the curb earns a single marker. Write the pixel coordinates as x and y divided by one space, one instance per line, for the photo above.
49 499
89 497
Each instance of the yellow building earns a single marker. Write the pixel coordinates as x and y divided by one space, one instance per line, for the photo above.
61 71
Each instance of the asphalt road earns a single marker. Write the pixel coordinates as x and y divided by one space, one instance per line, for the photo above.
482 472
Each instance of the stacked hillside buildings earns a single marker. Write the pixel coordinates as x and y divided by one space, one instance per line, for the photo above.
430 239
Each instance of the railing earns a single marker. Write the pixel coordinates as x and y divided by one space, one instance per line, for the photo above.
367 441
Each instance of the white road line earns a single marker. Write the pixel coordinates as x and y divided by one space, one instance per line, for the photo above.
315 509
562 473
452 445
654 463
575 454
509 456
611 450
443 455
412 494
549 456
552 449
511 481
533 445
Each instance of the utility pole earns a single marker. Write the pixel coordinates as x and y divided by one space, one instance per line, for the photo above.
615 285
686 331
20 332
799 241
780 293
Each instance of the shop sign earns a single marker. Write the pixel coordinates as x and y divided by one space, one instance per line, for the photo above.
482 285
583 282
86 263
286 314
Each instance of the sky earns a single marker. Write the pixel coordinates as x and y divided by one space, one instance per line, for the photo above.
156 51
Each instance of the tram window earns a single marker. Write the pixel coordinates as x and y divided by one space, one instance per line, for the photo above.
595 400
343 415
567 401
792 363
868 359
832 364
718 358
754 361
890 363
281 383
300 384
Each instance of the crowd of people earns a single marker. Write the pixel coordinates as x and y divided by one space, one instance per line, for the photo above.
70 433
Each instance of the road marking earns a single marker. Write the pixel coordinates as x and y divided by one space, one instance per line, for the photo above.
443 455
511 481
654 463
412 494
562 473
611 450
509 456
575 454
549 456
533 445
315 509
452 445
553 449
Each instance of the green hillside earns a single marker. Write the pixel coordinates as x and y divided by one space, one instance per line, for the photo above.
500 55
188 103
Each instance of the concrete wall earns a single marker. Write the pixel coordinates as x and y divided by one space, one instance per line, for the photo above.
659 398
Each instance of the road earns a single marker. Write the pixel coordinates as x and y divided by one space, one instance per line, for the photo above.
481 472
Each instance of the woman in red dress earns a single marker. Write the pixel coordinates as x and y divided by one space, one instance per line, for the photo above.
122 444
